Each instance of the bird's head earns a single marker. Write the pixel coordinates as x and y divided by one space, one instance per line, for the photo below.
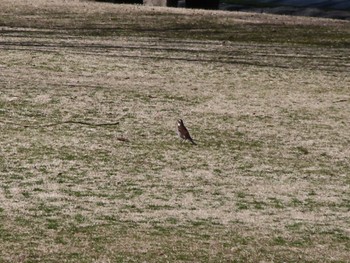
179 122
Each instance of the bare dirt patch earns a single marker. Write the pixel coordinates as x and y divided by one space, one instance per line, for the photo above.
266 101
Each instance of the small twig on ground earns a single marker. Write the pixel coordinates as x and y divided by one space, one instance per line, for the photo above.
122 139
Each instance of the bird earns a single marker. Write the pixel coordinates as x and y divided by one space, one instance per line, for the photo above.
183 132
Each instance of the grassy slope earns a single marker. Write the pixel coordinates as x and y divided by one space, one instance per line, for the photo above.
266 98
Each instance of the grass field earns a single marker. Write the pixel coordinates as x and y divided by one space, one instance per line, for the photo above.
267 99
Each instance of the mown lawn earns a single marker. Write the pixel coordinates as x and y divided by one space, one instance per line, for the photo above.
91 169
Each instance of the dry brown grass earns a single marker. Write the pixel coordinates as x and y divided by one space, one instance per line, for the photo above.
267 102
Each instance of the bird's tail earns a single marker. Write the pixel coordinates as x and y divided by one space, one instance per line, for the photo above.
192 141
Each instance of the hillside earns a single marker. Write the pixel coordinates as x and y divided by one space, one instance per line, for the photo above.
92 170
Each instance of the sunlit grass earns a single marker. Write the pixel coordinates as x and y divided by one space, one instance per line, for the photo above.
264 101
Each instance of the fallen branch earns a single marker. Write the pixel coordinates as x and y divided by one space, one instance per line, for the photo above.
342 100
61 123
